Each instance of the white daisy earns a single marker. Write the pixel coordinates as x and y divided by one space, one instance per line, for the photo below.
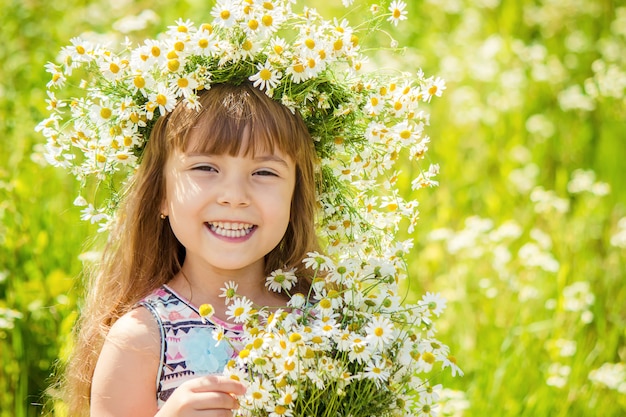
281 280
239 310
380 331
229 291
398 12
267 78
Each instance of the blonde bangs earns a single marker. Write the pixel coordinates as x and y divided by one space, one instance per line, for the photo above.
238 120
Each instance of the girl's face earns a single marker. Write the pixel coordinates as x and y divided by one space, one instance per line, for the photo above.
228 211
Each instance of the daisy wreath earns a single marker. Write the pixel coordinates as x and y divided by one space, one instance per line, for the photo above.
350 347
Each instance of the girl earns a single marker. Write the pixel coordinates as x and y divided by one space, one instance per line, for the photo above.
225 194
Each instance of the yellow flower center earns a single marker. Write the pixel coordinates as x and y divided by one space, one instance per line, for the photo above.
428 357
114 68
173 65
161 100
295 337
225 14
105 112
139 82
253 24
267 20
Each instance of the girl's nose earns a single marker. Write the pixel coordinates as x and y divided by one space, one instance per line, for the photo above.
233 192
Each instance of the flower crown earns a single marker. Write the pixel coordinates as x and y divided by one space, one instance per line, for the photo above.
361 122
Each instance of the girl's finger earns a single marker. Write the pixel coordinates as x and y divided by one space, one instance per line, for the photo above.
214 401
217 383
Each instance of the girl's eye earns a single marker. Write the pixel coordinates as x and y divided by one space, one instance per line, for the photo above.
207 168
264 173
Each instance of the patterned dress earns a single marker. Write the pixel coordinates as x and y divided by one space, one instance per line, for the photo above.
188 349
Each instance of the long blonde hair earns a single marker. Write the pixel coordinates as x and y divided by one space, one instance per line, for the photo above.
142 253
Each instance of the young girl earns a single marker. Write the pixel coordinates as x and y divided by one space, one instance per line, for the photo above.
225 194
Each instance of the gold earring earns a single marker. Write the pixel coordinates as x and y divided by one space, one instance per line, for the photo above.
163 216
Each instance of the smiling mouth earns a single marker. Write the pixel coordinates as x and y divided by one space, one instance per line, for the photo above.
228 229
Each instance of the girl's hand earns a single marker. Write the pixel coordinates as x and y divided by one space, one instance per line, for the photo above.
211 395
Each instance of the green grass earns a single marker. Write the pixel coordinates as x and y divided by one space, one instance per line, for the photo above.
513 322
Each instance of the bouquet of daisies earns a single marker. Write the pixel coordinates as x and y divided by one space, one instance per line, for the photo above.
349 347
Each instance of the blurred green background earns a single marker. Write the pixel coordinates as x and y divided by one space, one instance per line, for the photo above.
525 236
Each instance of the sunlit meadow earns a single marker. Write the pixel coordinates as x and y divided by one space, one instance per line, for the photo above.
525 236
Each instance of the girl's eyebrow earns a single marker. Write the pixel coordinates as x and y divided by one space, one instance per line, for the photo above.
258 158
271 158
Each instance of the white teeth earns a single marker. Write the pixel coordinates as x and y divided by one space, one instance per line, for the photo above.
228 229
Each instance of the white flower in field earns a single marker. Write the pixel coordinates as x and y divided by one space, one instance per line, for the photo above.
578 296
280 280
585 180
229 291
433 88
434 302
377 371
379 331
619 238
546 201
258 393
532 255
359 351
225 13
287 395
58 78
398 12
297 300
317 261
611 375
425 408
239 310
428 392
93 215
558 375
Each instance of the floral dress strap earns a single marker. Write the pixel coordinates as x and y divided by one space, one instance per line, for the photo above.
188 349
